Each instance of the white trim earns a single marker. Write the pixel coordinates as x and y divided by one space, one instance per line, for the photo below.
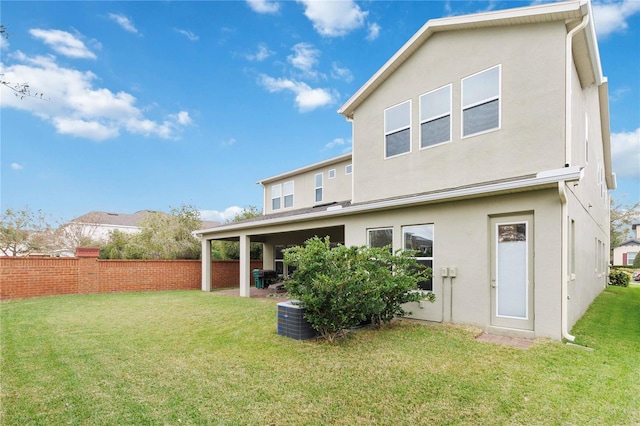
496 237
316 187
279 197
396 130
300 170
464 107
346 169
421 121
331 174
285 194
541 180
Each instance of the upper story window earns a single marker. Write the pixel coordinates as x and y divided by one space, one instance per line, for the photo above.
435 117
348 169
288 194
276 194
397 129
318 186
481 102
332 173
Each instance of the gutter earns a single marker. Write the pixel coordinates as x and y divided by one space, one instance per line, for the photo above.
564 249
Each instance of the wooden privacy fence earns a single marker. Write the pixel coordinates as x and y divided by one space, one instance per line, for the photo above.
23 277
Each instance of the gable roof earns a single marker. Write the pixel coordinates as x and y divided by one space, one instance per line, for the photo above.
588 65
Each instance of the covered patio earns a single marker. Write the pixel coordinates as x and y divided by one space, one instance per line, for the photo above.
274 232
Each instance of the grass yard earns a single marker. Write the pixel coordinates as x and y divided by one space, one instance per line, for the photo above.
204 358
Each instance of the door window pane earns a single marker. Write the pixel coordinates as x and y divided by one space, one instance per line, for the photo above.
511 279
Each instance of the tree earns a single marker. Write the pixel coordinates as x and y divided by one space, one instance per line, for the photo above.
162 236
231 249
622 217
20 90
24 232
342 287
71 235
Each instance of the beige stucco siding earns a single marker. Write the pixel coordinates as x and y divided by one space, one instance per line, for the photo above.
334 190
532 112
462 240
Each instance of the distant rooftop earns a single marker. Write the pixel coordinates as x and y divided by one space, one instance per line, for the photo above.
125 219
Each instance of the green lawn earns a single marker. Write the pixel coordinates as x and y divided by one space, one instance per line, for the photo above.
204 358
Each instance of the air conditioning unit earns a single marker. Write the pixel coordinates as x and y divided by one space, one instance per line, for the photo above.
291 321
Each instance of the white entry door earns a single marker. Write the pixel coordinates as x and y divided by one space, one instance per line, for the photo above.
512 272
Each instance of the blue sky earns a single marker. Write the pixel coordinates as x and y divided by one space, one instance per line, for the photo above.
150 105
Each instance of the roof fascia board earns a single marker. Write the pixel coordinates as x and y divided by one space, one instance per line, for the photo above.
555 11
323 163
567 174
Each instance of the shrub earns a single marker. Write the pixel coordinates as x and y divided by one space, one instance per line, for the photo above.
342 287
619 278
636 262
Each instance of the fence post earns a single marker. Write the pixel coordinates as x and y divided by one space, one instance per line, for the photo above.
88 269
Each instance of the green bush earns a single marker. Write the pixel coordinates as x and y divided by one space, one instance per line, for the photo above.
343 287
636 262
619 278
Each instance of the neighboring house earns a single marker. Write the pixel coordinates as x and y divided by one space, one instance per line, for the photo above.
483 143
625 252
96 227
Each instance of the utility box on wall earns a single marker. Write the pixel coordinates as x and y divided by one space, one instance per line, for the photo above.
291 321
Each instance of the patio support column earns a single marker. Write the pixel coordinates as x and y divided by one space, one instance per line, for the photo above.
206 264
245 265
267 256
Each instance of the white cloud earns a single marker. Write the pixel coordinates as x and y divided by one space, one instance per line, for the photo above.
75 107
307 98
262 53
334 18
264 6
188 34
221 216
16 166
337 142
63 42
341 73
305 58
228 142
625 153
124 22
612 17
374 31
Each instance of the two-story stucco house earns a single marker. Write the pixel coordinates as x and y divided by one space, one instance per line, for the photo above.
484 144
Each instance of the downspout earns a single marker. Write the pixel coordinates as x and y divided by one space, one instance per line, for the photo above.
564 292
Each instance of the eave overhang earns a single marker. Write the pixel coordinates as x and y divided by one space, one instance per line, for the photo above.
541 180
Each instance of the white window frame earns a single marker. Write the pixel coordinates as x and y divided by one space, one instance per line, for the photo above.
332 174
276 188
384 228
428 119
497 97
318 187
396 129
348 169
287 191
419 257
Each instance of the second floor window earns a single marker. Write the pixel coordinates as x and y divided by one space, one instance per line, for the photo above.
276 194
481 102
435 117
318 180
397 129
288 194
348 169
